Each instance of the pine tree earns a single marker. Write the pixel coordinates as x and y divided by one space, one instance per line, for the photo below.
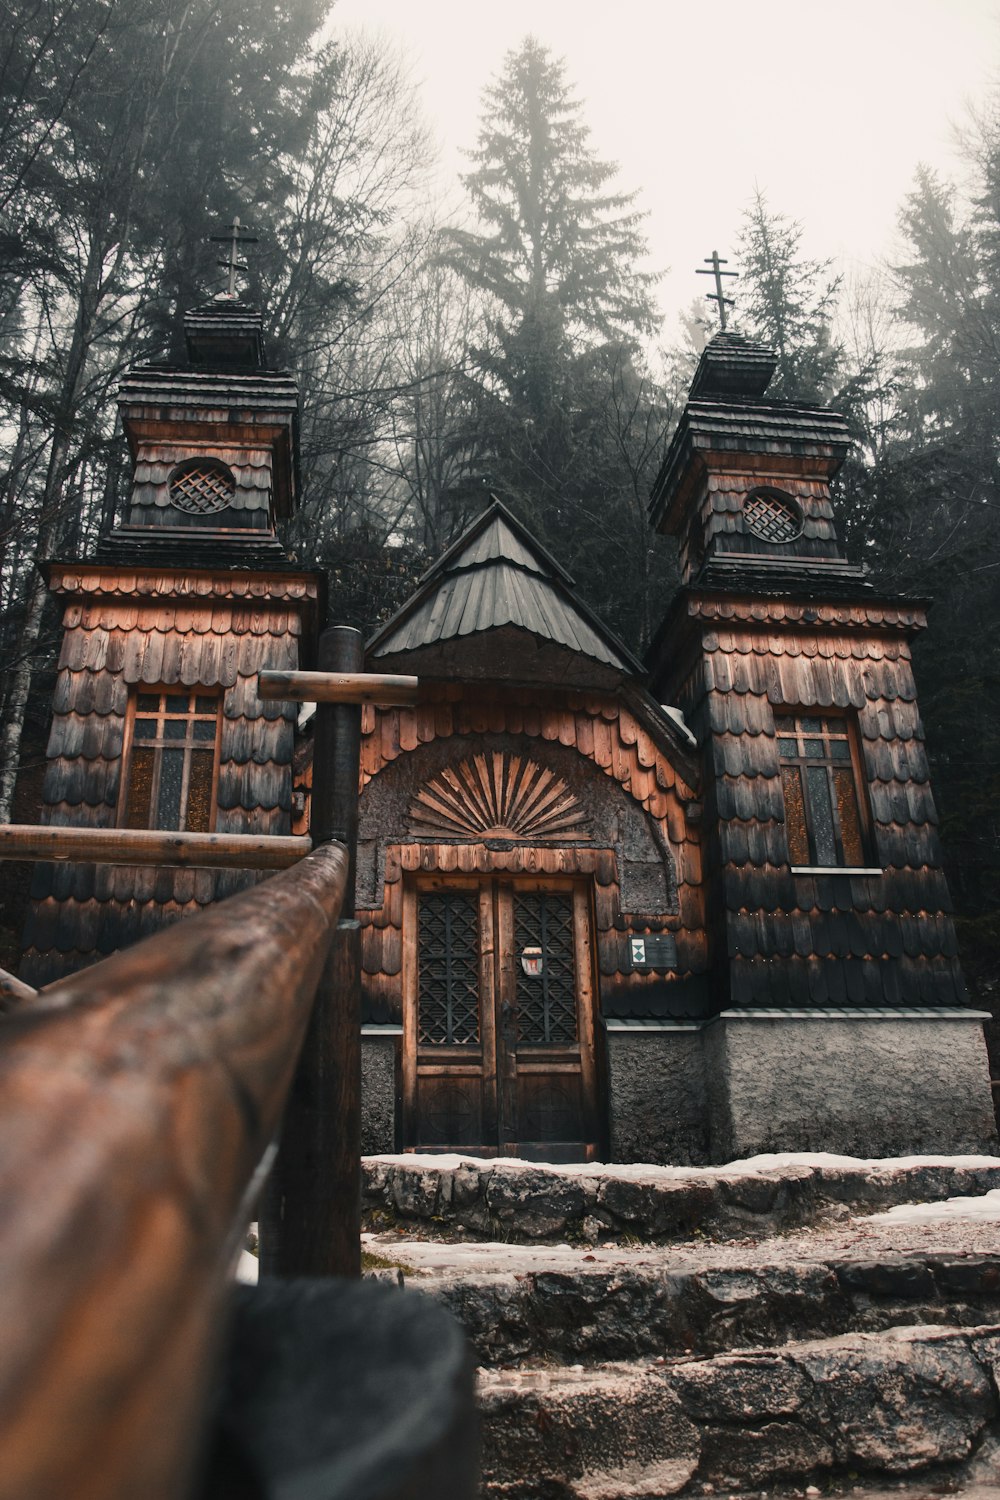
556 247
788 301
568 424
98 103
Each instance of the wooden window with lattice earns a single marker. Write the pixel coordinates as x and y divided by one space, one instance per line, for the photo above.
170 775
826 817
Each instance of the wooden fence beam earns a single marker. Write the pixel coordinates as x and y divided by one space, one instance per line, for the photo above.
136 1100
311 1223
339 687
139 846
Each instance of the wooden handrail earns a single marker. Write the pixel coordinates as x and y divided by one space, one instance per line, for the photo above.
382 688
137 1099
140 846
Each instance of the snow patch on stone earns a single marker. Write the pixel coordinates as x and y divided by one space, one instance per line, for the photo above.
774 1161
984 1208
247 1268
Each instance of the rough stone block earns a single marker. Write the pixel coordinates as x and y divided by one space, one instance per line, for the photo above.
742 1389
415 1191
900 1279
541 1203
466 1185
762 1455
900 1400
607 1434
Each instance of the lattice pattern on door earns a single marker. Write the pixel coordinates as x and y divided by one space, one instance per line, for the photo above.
448 981
546 1003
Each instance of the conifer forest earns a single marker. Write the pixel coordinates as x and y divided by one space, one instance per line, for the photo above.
509 346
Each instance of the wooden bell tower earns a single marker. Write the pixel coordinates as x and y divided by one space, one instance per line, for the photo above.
157 722
834 962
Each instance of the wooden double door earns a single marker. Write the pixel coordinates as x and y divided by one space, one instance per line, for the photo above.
498 1054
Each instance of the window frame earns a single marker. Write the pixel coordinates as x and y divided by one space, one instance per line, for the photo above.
835 728
160 742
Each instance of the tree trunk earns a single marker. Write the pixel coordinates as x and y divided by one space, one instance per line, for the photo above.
49 524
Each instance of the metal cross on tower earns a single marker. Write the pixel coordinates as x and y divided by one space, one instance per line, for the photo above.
716 296
233 237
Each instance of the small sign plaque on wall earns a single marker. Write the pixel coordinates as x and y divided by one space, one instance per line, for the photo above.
653 951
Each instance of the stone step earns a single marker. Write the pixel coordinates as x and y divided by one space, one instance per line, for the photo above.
865 1405
532 1203
597 1313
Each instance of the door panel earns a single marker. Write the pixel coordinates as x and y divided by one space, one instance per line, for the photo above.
448 1005
498 1054
546 1003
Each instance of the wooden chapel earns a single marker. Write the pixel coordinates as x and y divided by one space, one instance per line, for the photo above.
594 926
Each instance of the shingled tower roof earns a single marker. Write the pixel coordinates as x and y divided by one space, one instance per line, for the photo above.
498 605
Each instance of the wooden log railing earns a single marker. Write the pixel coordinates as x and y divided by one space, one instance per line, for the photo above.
138 1100
333 686
140 846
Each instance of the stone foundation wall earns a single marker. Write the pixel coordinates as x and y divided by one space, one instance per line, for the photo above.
751 1082
378 1093
888 1404
877 1086
525 1201
658 1110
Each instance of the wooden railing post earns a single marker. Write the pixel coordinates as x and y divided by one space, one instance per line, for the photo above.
311 1220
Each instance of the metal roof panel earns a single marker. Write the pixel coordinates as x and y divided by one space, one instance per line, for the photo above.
494 576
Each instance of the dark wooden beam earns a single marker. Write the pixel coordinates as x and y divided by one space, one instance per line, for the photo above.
139 846
135 1106
339 687
311 1224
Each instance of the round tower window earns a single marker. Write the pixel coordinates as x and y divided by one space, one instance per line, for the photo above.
200 486
772 516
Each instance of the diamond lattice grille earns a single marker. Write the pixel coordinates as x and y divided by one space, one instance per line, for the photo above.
497 796
772 518
546 1003
448 1006
201 487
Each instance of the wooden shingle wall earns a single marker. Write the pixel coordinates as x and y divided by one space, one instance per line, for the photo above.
817 940
717 519
250 505
128 630
613 741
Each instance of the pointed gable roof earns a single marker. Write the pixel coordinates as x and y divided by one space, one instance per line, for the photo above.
497 580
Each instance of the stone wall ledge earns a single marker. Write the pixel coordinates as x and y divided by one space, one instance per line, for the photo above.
592 1203
903 1401
601 1314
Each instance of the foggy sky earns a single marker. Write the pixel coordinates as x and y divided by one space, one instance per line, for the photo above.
828 106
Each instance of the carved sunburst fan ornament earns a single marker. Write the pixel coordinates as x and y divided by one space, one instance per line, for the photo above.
497 796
